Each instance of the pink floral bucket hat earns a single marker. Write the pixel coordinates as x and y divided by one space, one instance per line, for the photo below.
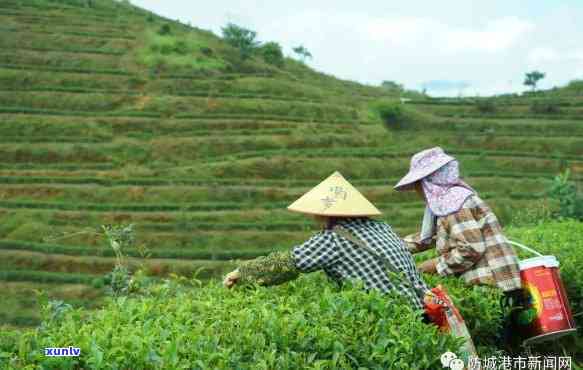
423 164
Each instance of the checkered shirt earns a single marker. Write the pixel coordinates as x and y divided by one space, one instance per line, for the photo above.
342 259
471 244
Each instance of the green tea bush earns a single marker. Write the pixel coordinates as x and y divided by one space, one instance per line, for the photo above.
240 38
165 29
391 113
565 192
574 87
479 307
545 107
272 54
308 323
166 50
115 72
47 277
303 324
486 106
61 60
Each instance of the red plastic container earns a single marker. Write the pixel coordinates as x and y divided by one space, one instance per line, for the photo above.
549 314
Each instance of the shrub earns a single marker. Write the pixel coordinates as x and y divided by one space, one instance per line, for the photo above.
206 51
533 216
240 38
181 47
570 203
392 86
486 106
545 107
173 52
575 87
302 52
164 30
136 82
392 114
302 324
307 323
272 54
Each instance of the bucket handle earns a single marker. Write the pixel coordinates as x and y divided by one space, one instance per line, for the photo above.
525 247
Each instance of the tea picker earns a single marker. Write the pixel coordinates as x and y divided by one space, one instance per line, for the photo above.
351 245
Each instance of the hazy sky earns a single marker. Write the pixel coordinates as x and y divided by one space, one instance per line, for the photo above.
450 46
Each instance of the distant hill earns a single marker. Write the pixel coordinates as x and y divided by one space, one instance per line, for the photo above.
112 114
574 89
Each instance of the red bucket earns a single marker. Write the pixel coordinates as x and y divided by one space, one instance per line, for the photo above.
548 316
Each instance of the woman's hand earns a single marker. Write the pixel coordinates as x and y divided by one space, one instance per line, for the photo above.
412 242
429 266
231 279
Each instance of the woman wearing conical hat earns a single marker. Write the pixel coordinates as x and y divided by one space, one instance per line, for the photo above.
350 246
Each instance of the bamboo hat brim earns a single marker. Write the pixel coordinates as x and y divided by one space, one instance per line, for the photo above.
334 196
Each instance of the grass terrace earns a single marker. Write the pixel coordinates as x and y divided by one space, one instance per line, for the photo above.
104 120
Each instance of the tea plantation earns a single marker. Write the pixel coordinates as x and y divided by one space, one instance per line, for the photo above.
111 114
306 323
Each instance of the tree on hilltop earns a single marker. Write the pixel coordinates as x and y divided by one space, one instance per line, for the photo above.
302 52
240 38
532 78
272 54
392 86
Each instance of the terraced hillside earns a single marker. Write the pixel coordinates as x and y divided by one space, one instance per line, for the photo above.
106 117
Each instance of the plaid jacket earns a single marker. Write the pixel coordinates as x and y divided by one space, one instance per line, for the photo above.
470 244
342 259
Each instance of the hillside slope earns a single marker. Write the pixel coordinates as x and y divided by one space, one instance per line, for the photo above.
111 114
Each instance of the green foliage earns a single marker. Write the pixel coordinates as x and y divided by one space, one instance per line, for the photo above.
62 60
278 325
479 306
165 30
302 52
304 324
565 191
532 78
206 51
486 105
575 87
545 107
120 237
178 51
240 38
212 182
46 277
392 86
533 216
54 310
8 341
391 114
118 280
272 54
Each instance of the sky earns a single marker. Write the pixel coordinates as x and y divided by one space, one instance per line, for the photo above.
448 47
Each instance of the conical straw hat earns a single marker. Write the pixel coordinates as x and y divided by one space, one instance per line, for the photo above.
334 197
